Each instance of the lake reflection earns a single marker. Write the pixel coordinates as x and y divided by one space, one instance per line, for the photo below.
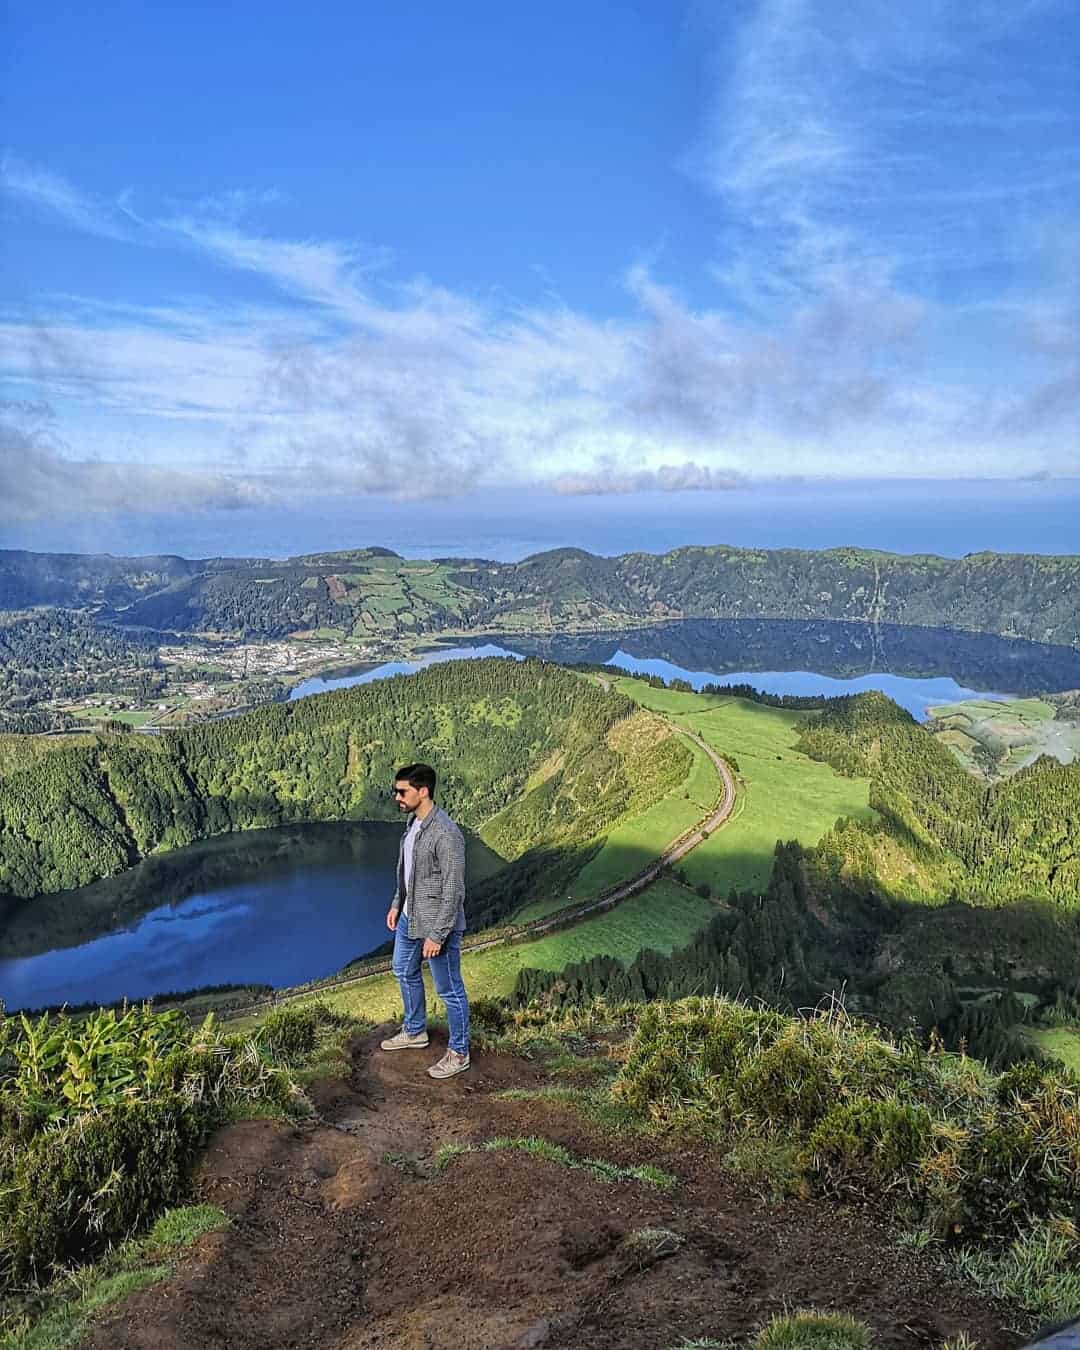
276 907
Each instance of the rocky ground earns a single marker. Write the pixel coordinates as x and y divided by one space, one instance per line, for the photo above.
348 1234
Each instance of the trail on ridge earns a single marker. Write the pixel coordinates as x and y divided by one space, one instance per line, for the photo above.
346 1235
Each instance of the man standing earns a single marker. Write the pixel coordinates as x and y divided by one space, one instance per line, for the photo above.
427 918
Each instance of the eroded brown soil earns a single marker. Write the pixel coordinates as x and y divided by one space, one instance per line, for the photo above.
345 1236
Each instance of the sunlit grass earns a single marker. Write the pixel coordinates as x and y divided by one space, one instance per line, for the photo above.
664 916
784 794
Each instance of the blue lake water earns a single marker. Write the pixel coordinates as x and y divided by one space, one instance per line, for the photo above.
304 908
912 693
916 695
322 684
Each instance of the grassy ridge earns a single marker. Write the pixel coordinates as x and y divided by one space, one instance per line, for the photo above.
785 795
645 834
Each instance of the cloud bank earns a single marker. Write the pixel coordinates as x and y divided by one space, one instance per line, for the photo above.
837 329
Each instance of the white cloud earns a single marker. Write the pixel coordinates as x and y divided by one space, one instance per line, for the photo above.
37 480
53 194
344 379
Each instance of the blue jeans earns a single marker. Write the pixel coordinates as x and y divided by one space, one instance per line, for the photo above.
446 976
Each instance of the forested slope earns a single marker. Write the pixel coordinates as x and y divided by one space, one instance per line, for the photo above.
944 834
374 591
957 906
499 732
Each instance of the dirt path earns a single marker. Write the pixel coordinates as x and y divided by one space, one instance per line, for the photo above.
347 1236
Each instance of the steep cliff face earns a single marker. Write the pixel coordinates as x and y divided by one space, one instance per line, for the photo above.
372 591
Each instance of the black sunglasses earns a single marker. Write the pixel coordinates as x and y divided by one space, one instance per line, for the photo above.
400 792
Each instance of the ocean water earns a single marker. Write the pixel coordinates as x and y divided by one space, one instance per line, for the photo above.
947 518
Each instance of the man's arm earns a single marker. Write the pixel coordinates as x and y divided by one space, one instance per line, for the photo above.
450 852
395 904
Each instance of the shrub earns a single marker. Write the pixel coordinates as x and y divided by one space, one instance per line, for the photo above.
785 1084
94 1181
489 1013
869 1144
1004 1179
289 1033
100 1117
688 1053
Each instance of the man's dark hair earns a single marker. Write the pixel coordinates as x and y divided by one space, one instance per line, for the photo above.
417 776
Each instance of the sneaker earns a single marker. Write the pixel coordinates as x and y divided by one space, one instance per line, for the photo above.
405 1040
450 1064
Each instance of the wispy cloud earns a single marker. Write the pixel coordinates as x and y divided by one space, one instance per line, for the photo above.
606 478
850 139
53 194
817 351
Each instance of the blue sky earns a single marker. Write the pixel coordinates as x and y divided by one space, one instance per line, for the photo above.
250 252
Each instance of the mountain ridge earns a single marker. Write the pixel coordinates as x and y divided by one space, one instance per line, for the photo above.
375 592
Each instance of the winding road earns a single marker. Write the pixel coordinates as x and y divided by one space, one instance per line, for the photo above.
562 918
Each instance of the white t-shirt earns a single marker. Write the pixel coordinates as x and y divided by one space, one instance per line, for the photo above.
410 844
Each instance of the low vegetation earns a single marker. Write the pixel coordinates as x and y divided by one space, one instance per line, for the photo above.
984 1167
100 1119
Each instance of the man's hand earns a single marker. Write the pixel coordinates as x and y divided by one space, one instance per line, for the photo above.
431 948
391 919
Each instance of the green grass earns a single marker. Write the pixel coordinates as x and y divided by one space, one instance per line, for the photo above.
643 836
1039 1271
810 1330
806 1329
597 1168
137 718
66 1310
664 916
1009 735
1061 1042
783 794
1027 711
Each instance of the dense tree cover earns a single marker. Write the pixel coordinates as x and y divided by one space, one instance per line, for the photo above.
61 639
777 947
64 654
1018 596
525 750
943 833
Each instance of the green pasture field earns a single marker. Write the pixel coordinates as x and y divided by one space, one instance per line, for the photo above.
1012 734
137 718
1026 711
664 916
641 837
782 793
1062 1042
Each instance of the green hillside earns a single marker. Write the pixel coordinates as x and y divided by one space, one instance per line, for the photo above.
376 593
538 760
934 901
